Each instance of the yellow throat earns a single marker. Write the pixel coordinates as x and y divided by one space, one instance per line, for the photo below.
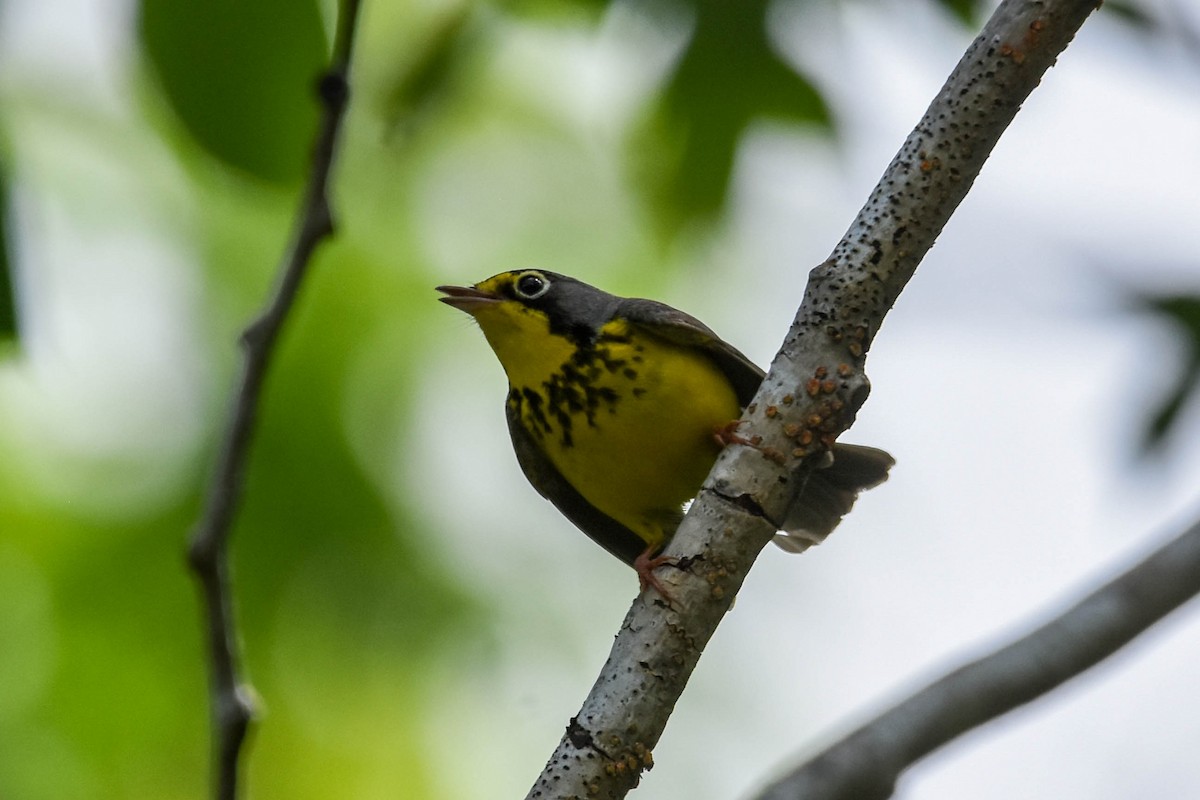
626 416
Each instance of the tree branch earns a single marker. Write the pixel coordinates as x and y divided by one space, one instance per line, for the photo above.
867 763
231 700
811 394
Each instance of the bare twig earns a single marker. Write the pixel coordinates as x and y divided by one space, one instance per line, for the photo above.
232 704
866 764
814 388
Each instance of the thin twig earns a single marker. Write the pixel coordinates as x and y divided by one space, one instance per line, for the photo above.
814 388
867 763
232 704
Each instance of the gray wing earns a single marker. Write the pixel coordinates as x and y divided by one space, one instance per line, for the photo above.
830 492
550 484
682 328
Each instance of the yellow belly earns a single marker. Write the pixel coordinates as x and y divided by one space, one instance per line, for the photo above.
632 430
641 462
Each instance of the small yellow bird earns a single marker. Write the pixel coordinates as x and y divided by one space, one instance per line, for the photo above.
615 406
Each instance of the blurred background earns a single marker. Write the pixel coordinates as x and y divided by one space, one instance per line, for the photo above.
418 622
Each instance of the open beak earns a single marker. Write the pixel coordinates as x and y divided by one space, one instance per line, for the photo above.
467 298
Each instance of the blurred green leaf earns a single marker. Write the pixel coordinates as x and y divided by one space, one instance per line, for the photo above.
555 8
430 74
8 300
1132 13
968 12
240 76
1182 312
341 584
728 76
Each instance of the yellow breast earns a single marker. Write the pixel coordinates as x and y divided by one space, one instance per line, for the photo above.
628 422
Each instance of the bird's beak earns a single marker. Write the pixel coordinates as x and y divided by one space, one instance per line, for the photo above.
467 298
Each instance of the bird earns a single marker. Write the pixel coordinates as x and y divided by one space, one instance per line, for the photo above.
617 408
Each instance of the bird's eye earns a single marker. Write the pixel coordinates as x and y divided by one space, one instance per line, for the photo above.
531 286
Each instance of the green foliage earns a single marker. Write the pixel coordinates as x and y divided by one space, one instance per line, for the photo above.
239 75
728 77
429 76
968 12
1134 14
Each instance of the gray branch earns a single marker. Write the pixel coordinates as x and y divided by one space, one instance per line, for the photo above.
811 394
231 698
867 763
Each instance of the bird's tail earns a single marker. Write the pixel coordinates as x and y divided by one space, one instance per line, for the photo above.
830 494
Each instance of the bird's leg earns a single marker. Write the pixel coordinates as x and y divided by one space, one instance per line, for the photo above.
725 435
646 563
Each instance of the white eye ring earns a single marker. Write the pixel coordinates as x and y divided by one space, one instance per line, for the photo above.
542 285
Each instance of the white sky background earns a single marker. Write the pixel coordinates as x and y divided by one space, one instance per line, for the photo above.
1006 383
